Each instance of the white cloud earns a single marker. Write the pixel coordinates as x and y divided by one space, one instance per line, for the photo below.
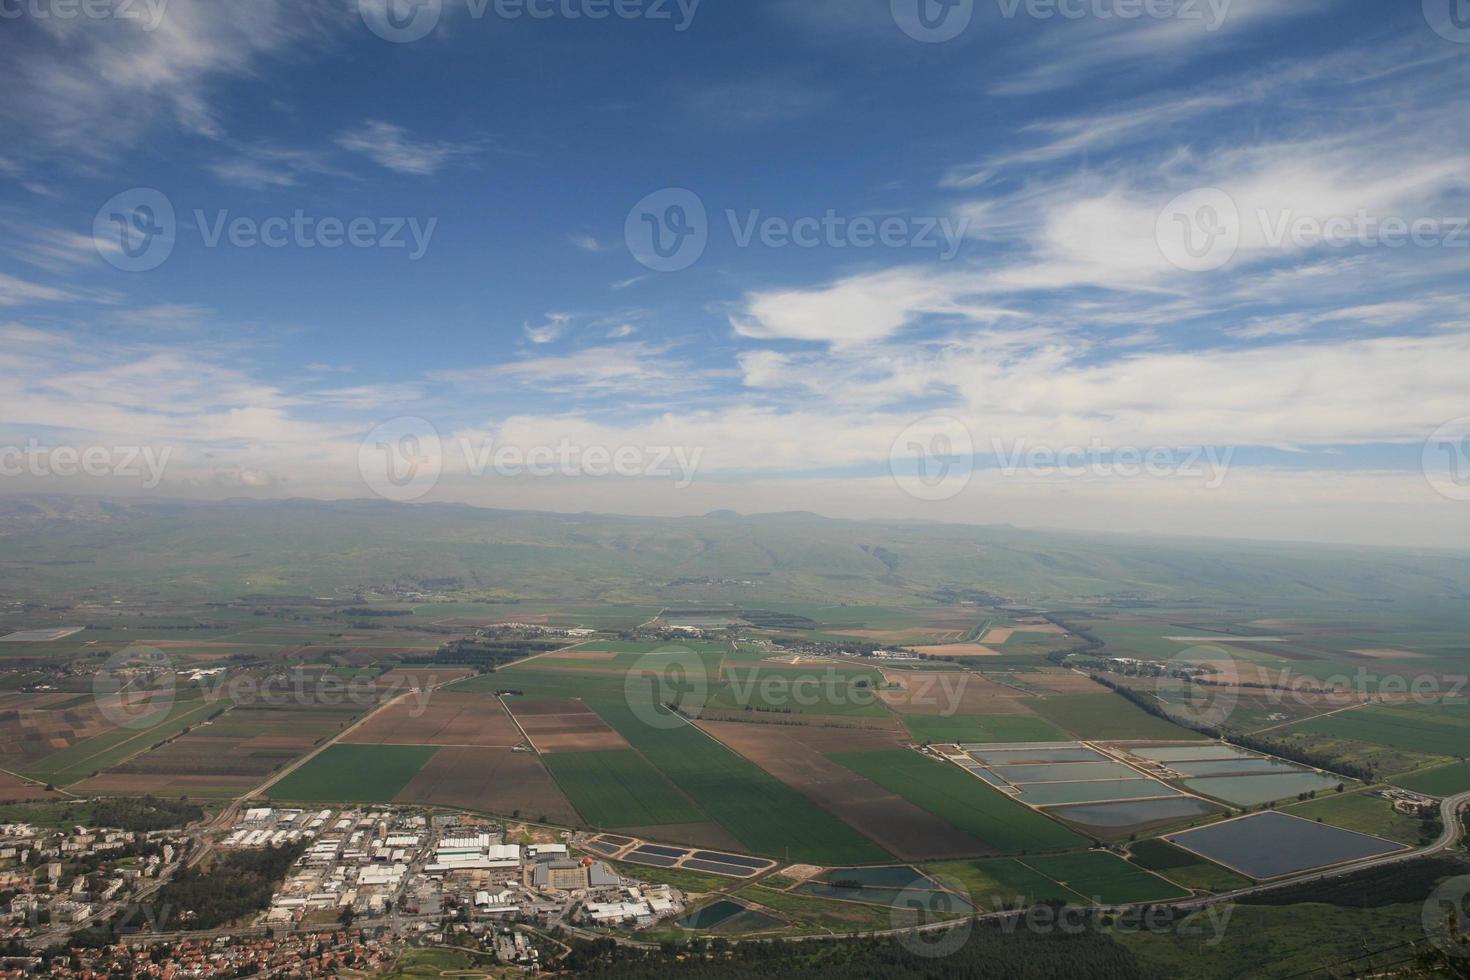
394 148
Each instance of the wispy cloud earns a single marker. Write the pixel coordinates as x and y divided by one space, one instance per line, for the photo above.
393 147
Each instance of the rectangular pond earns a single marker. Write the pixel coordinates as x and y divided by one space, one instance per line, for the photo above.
1065 772
1270 845
1255 790
1234 767
1134 813
1040 794
1011 757
1185 753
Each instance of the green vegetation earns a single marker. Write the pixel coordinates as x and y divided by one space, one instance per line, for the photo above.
1444 781
1368 814
78 761
1101 876
619 789
239 883
938 729
140 814
1441 729
819 689
964 801
1106 716
764 814
1187 869
995 884
354 774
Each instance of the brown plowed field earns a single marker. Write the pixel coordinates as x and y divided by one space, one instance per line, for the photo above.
934 692
499 781
447 719
795 755
565 726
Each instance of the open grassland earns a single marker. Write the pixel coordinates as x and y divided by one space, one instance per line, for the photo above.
764 814
1106 716
960 799
1444 781
1186 869
994 884
354 774
819 916
1365 813
1103 877
1440 729
938 729
620 789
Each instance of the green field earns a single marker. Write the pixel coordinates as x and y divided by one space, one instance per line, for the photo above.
1180 866
955 796
1362 812
354 774
938 729
1106 716
620 789
997 884
78 761
1440 729
825 689
1104 877
764 814
1444 781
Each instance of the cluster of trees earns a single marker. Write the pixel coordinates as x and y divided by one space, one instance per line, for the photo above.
145 814
485 654
238 884
990 952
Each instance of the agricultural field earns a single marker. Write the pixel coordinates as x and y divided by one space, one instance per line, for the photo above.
954 796
353 774
1365 813
760 812
1183 868
1106 716
1436 729
940 729
618 789
1104 878
1448 780
489 780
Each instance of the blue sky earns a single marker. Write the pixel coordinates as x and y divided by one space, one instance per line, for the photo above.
1026 294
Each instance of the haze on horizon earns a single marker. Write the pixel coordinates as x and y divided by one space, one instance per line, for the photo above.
1199 273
